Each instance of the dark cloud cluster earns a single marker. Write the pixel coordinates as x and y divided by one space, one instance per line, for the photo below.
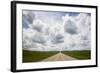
39 39
37 27
56 39
27 19
70 27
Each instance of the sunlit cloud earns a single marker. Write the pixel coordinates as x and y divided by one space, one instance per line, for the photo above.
55 31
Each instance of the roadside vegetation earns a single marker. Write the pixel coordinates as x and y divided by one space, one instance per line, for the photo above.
81 55
35 56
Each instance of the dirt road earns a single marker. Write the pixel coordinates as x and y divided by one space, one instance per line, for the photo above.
59 57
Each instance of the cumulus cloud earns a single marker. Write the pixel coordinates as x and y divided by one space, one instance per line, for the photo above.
56 39
27 18
37 25
68 32
70 27
38 38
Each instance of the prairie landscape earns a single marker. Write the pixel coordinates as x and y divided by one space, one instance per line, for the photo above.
55 36
44 56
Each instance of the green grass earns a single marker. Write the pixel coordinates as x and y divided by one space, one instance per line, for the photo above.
35 56
81 55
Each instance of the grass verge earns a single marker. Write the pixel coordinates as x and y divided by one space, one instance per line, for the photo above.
35 56
81 55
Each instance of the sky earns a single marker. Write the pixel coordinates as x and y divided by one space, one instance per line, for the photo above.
56 31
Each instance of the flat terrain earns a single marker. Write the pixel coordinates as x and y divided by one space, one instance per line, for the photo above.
35 56
38 56
59 57
81 55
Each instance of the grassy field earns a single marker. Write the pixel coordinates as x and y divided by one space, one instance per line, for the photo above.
81 55
35 56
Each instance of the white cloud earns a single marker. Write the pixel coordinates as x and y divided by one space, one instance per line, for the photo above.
73 34
82 22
